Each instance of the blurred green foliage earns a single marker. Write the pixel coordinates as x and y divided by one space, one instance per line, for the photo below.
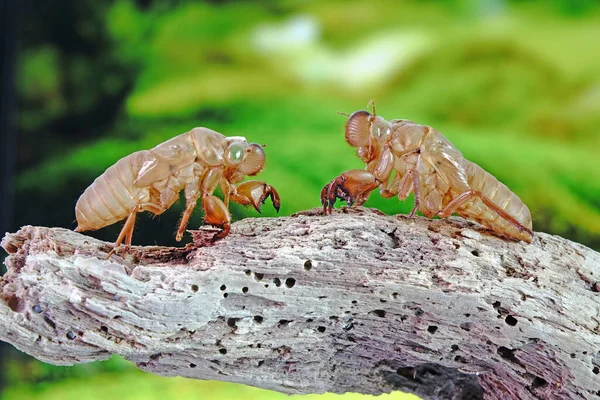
515 85
133 384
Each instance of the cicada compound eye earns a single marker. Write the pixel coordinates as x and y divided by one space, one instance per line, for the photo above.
254 161
381 129
236 152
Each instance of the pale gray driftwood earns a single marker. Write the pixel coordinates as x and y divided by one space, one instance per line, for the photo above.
357 301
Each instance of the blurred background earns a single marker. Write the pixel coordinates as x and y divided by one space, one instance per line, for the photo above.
515 85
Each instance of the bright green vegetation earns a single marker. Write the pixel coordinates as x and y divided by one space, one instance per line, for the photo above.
515 86
133 384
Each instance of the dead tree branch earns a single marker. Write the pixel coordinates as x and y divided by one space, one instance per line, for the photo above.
356 301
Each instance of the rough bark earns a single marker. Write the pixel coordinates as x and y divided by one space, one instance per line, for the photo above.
357 301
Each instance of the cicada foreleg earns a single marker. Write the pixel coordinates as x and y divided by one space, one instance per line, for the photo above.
352 187
355 186
216 215
254 193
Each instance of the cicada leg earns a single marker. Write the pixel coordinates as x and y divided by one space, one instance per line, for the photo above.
352 186
185 217
127 230
254 193
464 197
402 186
410 182
216 215
198 186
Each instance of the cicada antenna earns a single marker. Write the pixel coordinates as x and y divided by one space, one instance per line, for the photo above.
343 113
372 103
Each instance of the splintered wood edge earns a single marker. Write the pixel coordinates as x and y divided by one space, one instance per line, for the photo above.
356 301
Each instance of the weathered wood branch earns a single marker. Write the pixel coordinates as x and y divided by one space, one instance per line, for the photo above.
356 301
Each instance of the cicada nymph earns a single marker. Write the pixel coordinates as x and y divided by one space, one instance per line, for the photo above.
425 163
197 162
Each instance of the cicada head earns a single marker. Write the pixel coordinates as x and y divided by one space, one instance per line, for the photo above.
367 133
254 161
247 158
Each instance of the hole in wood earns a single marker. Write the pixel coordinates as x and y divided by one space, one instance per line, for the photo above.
231 322
195 288
258 319
290 282
506 353
510 320
308 265
50 322
538 383
432 329
379 313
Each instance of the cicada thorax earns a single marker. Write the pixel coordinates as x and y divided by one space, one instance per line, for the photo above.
209 146
406 136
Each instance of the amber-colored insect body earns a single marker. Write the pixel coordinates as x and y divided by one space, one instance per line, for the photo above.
150 180
426 163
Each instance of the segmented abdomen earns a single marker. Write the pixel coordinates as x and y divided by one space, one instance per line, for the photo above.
482 181
112 196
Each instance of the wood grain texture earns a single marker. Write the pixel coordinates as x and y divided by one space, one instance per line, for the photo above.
356 301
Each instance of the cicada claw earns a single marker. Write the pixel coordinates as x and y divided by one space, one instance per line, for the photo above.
353 187
255 193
